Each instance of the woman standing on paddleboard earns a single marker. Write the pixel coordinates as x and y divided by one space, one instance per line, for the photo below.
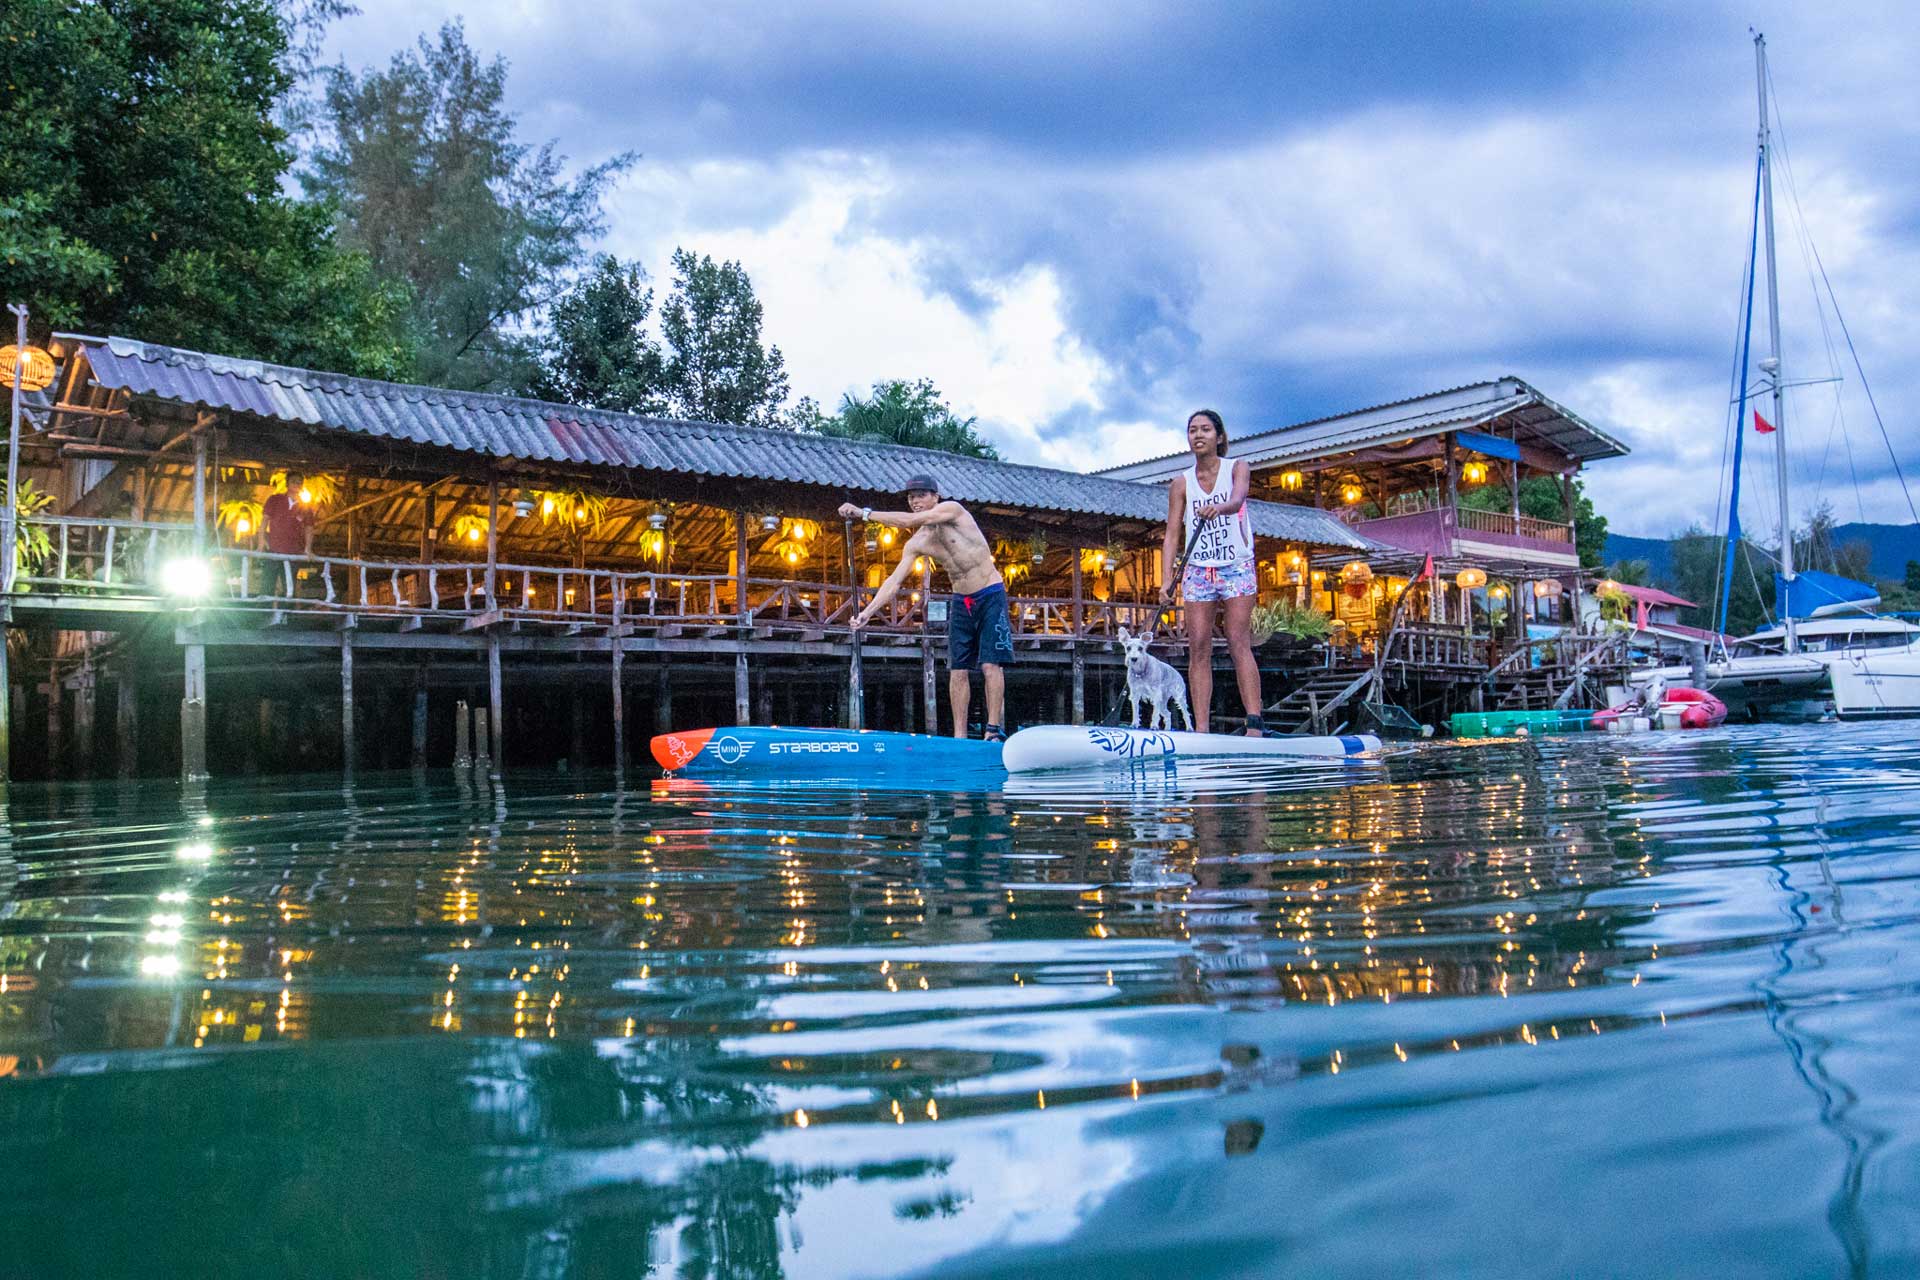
1207 515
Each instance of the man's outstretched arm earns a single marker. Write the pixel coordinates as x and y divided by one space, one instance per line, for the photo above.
940 513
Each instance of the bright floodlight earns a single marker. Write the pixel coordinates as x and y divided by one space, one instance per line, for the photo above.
186 577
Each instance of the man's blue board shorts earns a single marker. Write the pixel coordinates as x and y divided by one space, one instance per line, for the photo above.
979 630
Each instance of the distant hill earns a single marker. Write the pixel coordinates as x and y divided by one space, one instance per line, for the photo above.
1893 545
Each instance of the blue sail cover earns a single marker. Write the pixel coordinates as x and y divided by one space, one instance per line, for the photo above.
1816 595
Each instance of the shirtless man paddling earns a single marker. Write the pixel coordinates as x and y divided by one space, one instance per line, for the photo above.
979 632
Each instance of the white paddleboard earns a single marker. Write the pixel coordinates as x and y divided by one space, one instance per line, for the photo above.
1068 746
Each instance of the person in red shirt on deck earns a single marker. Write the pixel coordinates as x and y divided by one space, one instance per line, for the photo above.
288 524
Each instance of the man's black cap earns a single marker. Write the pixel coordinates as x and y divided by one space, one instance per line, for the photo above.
922 482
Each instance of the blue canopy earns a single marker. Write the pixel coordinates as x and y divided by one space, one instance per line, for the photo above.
1814 595
1492 446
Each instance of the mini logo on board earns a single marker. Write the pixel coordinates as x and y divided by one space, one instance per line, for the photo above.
731 750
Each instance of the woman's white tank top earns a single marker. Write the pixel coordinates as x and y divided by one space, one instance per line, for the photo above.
1227 540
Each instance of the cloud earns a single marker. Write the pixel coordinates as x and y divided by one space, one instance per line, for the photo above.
1083 224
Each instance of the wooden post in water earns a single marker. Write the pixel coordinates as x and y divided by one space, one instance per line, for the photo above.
126 721
856 677
494 703
193 714
662 700
462 735
1073 645
617 652
1697 659
741 710
347 753
419 753
83 690
481 736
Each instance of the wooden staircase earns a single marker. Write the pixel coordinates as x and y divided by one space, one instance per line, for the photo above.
1320 703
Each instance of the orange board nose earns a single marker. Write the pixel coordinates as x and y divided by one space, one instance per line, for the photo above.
676 750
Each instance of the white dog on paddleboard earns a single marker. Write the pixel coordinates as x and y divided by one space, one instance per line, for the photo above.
1151 680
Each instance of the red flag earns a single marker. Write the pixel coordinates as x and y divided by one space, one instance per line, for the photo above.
1426 570
1761 425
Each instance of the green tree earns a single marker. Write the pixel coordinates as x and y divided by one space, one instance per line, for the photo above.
902 412
1913 576
1541 498
598 352
1697 564
141 187
422 163
1632 573
716 368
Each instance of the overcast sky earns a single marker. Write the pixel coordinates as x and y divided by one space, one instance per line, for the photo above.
1082 221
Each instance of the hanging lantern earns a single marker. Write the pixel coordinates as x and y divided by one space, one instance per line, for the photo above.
523 506
547 507
653 544
1496 593
1469 579
657 521
770 524
1291 480
1351 493
1107 562
1474 472
1356 578
1547 588
37 373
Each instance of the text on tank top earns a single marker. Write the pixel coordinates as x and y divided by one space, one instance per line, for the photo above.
1227 540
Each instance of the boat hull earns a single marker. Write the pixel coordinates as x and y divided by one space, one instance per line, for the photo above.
1876 687
780 752
1064 746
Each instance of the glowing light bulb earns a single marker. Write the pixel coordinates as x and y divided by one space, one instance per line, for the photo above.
243 526
306 496
473 535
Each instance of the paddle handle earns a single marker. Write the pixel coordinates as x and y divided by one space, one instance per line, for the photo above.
1193 540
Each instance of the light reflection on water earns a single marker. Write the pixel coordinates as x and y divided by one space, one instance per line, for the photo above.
1576 1006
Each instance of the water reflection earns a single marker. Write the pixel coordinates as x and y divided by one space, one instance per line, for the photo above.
686 1029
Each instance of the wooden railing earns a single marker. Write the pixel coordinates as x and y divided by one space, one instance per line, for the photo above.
1426 644
103 556
97 556
1509 525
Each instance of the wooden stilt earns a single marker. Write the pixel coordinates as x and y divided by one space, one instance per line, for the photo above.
83 691
619 655
193 714
462 735
494 703
1079 689
348 754
482 736
56 726
662 700
741 709
418 757
126 722
856 676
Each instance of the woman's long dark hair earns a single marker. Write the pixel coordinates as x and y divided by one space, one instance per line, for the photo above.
1219 429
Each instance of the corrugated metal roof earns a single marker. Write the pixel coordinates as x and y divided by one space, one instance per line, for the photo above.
1509 400
532 430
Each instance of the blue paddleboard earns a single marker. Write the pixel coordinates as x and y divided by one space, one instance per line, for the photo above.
778 752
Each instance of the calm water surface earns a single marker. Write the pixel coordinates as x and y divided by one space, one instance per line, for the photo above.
1564 1007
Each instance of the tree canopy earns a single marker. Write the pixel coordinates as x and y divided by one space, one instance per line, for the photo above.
598 351
716 368
422 162
902 412
141 188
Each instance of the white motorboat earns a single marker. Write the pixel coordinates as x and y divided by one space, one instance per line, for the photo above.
1757 678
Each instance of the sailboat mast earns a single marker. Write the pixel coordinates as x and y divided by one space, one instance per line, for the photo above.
1772 366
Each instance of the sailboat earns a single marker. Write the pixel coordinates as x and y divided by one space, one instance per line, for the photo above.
1829 653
